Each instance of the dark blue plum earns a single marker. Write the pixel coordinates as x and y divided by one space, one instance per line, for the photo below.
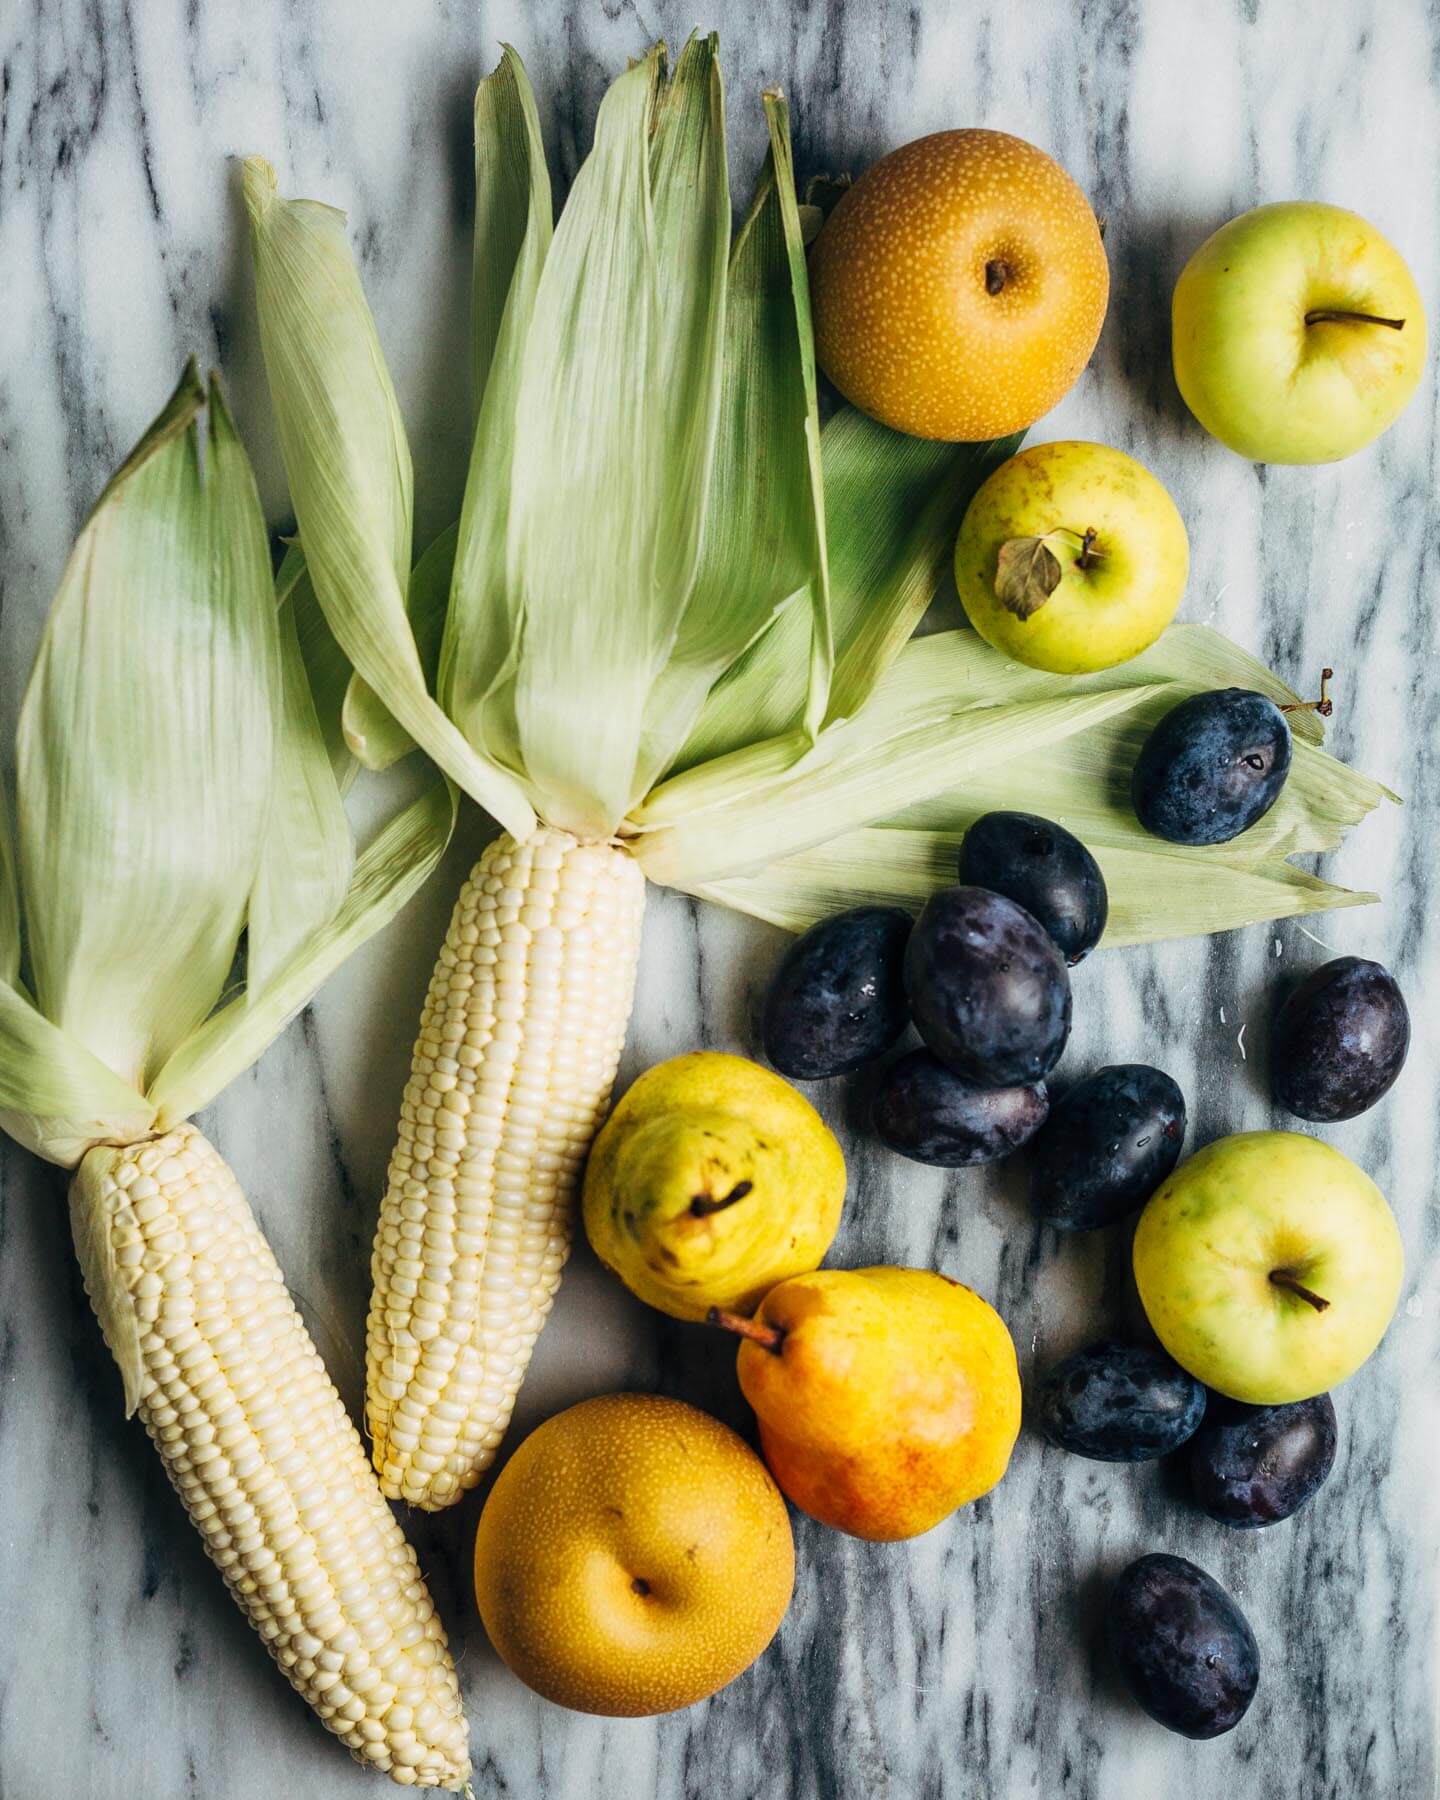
988 989
1042 867
1118 1403
1213 765
1108 1144
837 1000
1339 1040
1184 1647
1254 1465
930 1115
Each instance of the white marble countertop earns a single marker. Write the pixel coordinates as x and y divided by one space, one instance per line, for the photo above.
965 1664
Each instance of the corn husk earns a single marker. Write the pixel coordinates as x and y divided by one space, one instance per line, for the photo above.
180 771
764 542
140 824
894 506
614 434
348 465
1081 779
386 874
513 232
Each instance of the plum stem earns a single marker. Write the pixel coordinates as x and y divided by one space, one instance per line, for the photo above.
769 1337
1285 1278
1329 315
1324 705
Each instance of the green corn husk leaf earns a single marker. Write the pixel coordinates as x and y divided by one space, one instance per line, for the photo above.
375 735
1151 895
513 231
347 462
762 544
381 455
614 428
386 875
9 899
1157 890
308 852
55 1097
145 746
894 506
822 637
513 209
917 736
327 670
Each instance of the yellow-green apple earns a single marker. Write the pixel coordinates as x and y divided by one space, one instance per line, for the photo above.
1298 333
1072 557
1269 1266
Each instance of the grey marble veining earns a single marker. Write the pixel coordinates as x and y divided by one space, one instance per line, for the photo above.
966 1664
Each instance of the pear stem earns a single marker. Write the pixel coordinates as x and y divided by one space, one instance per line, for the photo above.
704 1204
1327 315
1283 1278
997 273
1324 705
769 1337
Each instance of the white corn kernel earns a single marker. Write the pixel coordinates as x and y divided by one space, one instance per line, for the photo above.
532 989
261 1451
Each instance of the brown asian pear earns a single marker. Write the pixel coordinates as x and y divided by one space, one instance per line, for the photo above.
959 287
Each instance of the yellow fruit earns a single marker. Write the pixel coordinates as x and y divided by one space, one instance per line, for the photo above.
1298 333
1117 592
887 1398
959 287
712 1180
1269 1266
633 1557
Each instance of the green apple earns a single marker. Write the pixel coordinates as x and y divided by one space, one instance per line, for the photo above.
1269 1266
1071 558
1298 333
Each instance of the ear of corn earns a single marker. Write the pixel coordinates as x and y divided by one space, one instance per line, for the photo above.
124 1022
519 1042
656 547
262 1453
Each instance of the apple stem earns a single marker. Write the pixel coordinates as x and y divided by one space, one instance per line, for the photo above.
1087 548
1324 705
1326 315
1283 1278
769 1337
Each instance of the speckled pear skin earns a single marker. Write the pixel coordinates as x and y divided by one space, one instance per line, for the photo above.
959 287
633 1557
711 1181
893 1398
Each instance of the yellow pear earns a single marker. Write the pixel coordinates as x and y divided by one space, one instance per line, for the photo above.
633 1557
886 1397
711 1181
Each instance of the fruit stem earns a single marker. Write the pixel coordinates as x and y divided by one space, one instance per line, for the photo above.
1327 315
1324 705
769 1337
1087 548
997 273
1283 1278
704 1204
